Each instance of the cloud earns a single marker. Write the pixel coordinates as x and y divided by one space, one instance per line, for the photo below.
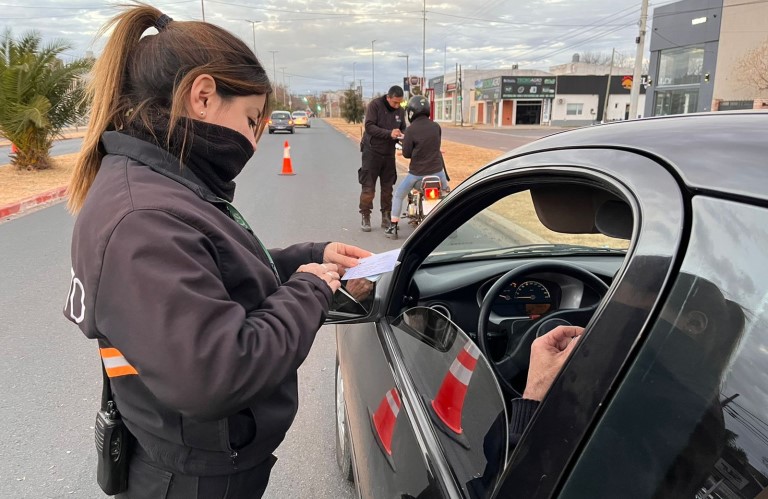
319 40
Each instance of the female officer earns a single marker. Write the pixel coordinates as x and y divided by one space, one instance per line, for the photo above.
201 329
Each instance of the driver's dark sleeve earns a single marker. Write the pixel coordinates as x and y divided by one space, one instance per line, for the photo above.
520 413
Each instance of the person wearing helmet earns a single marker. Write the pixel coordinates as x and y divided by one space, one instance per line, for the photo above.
421 145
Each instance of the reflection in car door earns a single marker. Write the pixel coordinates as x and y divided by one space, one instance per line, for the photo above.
399 384
388 459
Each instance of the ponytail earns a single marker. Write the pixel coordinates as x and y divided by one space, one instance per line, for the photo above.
105 91
136 80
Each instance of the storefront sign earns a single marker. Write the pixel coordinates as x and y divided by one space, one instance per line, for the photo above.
488 89
527 87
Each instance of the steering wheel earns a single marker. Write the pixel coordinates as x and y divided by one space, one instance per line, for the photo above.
516 358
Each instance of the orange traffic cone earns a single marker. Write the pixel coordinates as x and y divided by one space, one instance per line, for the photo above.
384 419
287 168
449 401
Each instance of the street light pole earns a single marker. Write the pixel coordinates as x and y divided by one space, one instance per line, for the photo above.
407 73
424 48
373 79
253 25
202 7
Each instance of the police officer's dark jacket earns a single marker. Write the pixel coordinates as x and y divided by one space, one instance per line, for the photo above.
422 145
380 120
200 338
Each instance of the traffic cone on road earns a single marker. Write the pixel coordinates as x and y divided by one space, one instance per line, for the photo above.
449 402
384 419
287 167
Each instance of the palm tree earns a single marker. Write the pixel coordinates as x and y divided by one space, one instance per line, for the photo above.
39 96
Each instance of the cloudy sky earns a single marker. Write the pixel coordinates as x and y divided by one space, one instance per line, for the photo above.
322 44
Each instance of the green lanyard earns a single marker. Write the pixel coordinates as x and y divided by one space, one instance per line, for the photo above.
237 217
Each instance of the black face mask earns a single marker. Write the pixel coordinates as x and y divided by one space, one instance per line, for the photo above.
214 153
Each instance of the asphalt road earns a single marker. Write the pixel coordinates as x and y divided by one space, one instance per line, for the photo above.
50 377
503 139
67 146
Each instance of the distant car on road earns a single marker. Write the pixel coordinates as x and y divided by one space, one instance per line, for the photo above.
280 121
300 118
652 235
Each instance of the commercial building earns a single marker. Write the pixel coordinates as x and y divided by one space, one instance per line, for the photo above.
697 51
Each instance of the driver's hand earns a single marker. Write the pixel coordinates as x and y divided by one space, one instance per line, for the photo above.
548 354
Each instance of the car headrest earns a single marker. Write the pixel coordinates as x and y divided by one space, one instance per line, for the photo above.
582 209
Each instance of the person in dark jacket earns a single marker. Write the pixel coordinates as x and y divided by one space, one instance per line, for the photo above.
384 125
201 329
422 145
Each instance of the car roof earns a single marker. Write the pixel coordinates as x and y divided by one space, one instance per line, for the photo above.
725 152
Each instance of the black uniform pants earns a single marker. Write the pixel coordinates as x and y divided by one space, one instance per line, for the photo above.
146 481
375 167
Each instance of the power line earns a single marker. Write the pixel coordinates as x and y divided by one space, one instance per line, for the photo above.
516 23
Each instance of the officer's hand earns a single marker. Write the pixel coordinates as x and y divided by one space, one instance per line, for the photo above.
396 133
328 272
359 288
548 354
343 255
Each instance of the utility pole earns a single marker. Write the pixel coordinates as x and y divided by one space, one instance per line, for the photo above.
354 77
461 98
285 102
424 47
274 73
202 7
253 25
373 79
407 74
634 94
608 89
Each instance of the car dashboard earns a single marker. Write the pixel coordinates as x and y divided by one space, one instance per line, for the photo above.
457 289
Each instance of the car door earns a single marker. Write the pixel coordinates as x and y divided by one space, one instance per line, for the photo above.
402 394
566 415
656 206
689 420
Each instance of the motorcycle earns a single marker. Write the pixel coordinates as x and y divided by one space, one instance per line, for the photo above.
422 198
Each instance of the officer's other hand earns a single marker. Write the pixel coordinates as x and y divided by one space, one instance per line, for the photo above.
548 354
343 255
329 272
396 133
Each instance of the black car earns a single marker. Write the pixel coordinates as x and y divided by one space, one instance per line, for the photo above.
280 121
652 234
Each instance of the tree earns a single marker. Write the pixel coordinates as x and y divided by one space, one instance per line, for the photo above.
752 68
352 109
39 96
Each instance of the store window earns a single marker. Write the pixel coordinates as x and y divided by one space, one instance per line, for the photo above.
574 109
678 101
681 66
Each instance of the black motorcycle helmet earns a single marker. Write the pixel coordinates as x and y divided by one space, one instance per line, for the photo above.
417 106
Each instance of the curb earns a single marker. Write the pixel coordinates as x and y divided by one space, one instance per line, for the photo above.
29 203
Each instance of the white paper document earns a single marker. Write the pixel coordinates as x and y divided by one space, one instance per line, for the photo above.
373 265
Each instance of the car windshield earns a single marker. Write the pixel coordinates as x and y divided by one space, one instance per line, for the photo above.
281 116
510 227
299 114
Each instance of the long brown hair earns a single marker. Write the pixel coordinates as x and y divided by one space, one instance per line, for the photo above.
136 77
